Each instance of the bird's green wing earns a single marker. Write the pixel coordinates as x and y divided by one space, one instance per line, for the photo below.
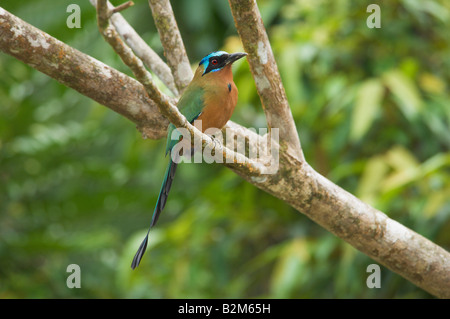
191 105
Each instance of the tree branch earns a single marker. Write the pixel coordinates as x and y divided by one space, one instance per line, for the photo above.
172 42
141 49
265 72
122 7
395 246
82 73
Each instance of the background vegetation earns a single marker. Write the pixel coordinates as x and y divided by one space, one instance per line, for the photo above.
78 183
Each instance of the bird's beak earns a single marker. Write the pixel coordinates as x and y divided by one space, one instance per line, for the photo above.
234 57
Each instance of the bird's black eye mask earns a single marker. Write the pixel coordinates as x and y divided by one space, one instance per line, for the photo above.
215 63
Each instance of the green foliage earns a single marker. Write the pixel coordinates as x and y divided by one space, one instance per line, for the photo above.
78 184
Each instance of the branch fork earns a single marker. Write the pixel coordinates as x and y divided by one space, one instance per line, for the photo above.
168 109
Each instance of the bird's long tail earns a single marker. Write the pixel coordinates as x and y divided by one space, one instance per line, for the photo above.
162 198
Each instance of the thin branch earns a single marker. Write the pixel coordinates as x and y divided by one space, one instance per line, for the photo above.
150 58
134 63
172 42
265 71
122 7
235 160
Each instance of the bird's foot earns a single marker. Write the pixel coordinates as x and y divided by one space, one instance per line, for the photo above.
215 141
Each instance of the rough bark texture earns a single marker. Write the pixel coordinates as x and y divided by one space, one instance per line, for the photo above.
265 71
141 49
172 42
81 72
369 230
397 247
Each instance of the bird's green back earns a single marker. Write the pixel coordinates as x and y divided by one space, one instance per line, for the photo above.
191 104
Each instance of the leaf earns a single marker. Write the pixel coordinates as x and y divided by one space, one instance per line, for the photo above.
400 158
436 202
367 105
289 268
406 169
405 92
374 173
431 83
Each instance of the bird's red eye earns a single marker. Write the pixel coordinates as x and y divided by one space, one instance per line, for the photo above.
214 62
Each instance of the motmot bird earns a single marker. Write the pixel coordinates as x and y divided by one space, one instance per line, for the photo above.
211 97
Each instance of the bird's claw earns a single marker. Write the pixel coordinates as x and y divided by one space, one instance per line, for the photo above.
214 141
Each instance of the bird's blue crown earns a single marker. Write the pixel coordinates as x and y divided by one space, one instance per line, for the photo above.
205 61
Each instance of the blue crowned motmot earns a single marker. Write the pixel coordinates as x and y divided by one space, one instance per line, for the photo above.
210 97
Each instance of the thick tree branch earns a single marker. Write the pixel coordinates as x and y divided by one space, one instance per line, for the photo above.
265 71
172 42
395 246
81 72
386 241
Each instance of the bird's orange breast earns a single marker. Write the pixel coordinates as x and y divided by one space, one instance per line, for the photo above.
220 98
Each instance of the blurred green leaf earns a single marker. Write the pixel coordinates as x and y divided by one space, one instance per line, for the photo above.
289 268
374 173
367 104
405 93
